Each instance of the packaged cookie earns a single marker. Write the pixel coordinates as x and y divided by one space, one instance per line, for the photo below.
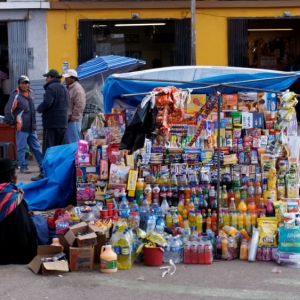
229 102
247 101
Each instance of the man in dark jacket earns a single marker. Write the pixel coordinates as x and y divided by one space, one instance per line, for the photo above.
20 114
54 110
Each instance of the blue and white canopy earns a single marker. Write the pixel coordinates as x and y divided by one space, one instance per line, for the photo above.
103 64
228 79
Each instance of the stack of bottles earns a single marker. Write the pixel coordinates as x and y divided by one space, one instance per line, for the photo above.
198 251
123 243
173 250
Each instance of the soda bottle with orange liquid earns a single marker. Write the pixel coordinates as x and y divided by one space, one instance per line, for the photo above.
214 219
257 193
237 197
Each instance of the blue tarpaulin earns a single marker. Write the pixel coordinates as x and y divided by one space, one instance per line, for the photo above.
116 85
58 185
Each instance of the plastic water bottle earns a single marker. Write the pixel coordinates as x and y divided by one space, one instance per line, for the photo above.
164 205
180 250
122 194
124 210
167 251
144 213
154 206
175 250
151 222
160 225
134 207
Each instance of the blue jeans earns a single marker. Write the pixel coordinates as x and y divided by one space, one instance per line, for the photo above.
73 131
30 138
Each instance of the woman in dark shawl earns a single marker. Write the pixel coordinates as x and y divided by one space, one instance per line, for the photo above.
18 236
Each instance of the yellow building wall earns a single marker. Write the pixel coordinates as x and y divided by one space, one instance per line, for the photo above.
211 30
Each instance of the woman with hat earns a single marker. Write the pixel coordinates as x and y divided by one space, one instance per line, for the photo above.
18 236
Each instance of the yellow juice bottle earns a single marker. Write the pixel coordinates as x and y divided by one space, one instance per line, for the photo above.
234 220
199 221
240 221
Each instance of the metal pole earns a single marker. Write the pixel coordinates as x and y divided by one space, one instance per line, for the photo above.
218 161
193 32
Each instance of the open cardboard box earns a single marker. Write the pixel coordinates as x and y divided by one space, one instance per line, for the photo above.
48 267
89 239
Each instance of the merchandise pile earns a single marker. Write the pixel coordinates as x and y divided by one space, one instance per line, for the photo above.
164 196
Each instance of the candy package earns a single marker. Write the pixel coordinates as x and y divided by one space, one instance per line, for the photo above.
268 231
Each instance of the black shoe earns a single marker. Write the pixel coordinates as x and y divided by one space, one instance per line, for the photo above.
24 170
39 177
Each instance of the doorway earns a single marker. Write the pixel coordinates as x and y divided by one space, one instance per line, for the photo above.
160 42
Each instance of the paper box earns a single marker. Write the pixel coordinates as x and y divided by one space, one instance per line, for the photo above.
36 265
87 173
247 101
89 239
81 259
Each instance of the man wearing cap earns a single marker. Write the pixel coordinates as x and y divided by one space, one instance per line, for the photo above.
76 107
54 110
20 114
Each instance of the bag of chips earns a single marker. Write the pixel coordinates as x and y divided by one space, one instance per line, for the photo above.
268 232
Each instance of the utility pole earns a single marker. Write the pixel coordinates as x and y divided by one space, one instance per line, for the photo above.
193 32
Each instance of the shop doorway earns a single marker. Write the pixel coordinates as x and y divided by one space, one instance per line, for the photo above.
264 43
161 43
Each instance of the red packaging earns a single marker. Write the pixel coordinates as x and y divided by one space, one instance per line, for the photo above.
113 120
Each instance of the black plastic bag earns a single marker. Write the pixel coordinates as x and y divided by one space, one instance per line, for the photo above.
136 131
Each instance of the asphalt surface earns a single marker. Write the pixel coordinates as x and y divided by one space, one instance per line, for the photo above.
222 280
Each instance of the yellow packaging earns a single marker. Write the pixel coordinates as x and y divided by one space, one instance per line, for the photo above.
268 232
131 183
280 208
271 194
197 101
129 160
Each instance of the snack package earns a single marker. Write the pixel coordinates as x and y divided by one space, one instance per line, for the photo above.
113 120
113 135
268 231
229 102
247 101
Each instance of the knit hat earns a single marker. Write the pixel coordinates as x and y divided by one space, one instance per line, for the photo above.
52 73
6 165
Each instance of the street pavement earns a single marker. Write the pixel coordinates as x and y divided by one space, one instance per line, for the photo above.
222 280
33 167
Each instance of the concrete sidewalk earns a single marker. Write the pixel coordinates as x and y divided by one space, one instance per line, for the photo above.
33 167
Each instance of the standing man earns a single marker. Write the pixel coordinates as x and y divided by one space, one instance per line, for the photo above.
20 114
76 107
54 110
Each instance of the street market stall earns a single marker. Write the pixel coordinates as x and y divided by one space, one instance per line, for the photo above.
202 169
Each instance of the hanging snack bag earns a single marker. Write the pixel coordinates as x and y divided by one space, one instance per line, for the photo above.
268 232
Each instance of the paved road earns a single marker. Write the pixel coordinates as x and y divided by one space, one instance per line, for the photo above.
222 280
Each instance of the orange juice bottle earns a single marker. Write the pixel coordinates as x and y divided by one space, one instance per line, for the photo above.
140 185
190 205
257 193
242 205
244 251
253 220
237 197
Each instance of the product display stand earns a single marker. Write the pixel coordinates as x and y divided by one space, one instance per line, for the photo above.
220 87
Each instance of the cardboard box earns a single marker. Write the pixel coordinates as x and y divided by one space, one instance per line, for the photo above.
81 259
86 240
48 267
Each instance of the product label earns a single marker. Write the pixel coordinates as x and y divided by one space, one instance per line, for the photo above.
117 249
104 264
124 213
125 251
